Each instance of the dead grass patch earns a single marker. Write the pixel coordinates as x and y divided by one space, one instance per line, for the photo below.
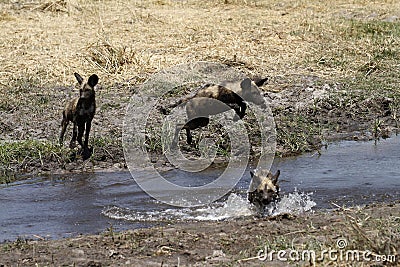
331 39
108 57
53 6
111 58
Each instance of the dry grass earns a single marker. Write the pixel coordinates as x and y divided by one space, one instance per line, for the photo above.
111 59
52 39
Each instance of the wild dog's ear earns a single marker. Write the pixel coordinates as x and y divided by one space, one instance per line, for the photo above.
251 174
78 78
260 82
246 84
93 80
275 177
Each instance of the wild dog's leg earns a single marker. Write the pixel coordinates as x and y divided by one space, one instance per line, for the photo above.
72 144
243 108
87 131
194 124
64 124
176 136
239 109
81 129
189 137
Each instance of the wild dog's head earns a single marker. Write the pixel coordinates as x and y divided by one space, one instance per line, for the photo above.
87 87
251 93
264 187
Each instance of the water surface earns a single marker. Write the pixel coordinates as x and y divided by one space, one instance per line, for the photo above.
347 173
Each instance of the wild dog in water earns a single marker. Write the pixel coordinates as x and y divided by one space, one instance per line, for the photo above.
264 188
199 107
80 111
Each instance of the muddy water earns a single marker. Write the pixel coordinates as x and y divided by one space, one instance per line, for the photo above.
347 173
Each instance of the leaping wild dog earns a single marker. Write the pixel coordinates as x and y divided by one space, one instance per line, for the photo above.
80 111
199 106
264 188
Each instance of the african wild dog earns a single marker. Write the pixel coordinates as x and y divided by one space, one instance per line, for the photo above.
80 111
264 188
199 107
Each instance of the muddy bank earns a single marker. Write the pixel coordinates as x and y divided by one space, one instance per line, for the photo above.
373 230
308 115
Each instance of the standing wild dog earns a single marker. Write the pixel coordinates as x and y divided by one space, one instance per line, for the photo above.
264 188
199 107
80 111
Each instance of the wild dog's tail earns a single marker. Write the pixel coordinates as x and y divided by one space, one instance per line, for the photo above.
180 101
64 118
166 109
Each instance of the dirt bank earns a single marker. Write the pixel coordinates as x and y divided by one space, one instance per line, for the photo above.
307 116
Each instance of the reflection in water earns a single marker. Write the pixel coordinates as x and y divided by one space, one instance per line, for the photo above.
348 173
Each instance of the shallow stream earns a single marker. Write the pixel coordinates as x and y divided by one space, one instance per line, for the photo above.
347 173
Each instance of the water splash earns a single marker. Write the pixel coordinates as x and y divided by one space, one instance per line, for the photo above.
292 203
236 206
126 214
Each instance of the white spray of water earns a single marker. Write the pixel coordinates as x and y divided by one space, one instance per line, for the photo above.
234 207
292 203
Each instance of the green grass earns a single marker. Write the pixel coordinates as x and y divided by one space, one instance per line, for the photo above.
298 132
356 47
27 149
106 147
362 57
376 29
17 156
